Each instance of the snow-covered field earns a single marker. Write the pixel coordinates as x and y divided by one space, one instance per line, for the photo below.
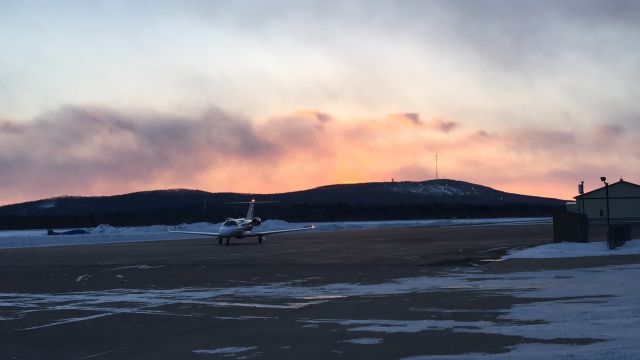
110 234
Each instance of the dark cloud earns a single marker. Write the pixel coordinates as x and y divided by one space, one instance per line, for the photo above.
322 117
8 126
437 123
409 117
483 134
605 133
589 173
537 139
414 117
441 124
530 35
301 129
624 12
78 149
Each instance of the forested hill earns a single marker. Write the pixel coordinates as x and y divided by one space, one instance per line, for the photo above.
365 201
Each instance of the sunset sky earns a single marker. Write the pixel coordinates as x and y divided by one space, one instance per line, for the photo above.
108 97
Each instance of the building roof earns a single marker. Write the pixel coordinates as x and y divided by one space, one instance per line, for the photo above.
610 186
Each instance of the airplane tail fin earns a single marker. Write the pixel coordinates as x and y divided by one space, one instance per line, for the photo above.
251 203
250 210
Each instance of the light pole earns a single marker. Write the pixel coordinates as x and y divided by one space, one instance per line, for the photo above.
606 189
581 201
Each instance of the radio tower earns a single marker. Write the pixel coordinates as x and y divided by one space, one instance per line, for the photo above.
436 166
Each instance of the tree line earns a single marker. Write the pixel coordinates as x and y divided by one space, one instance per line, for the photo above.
305 212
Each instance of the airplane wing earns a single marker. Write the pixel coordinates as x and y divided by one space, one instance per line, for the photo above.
194 232
280 231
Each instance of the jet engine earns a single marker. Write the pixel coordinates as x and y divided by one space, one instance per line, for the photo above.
256 221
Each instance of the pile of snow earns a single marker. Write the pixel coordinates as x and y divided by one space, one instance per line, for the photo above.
103 228
567 250
108 229
21 233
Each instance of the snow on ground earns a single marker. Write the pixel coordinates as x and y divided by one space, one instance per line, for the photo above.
365 341
347 225
109 234
594 303
226 350
600 305
568 249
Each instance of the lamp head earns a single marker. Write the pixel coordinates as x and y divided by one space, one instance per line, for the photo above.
602 178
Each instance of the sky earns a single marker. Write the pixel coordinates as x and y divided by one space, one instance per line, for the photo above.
109 97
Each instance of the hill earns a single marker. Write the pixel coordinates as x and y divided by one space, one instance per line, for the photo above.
365 201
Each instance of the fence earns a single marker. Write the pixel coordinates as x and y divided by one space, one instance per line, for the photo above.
569 226
574 227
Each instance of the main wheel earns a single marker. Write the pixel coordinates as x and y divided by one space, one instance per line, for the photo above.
227 241
219 240
260 238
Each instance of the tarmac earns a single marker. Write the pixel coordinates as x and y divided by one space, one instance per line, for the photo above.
300 295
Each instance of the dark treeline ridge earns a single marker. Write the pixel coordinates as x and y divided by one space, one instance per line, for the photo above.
431 199
305 212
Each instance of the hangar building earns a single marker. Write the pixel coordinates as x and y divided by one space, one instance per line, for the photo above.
624 203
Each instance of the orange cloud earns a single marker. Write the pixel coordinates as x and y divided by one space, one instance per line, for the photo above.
94 151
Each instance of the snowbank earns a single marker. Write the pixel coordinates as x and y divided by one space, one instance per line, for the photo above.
567 249
352 225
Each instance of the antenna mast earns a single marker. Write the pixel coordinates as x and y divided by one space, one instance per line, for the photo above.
436 166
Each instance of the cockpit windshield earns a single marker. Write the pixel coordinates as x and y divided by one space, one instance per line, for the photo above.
230 223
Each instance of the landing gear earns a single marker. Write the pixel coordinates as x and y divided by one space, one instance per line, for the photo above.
260 239
219 240
227 243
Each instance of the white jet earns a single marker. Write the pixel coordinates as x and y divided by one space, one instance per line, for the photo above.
243 227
